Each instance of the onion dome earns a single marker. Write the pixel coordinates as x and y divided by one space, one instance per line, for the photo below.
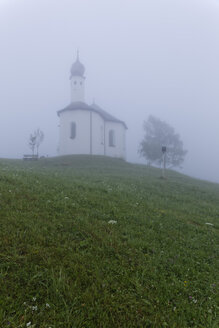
77 68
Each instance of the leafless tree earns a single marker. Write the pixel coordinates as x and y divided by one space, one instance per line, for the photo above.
35 141
39 139
32 143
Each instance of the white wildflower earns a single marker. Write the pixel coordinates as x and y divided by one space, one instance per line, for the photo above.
34 299
210 224
28 324
34 308
112 222
66 197
194 300
47 305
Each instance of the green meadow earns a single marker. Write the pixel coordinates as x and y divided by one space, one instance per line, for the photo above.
98 242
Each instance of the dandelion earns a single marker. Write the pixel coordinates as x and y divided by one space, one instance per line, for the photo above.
112 222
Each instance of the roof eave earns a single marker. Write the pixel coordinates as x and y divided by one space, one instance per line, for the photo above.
90 108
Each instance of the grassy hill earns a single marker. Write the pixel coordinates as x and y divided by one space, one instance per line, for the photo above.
63 264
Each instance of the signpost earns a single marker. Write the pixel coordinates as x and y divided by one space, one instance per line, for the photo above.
164 151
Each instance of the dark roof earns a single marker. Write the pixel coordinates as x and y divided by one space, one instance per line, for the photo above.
105 115
75 105
77 68
95 108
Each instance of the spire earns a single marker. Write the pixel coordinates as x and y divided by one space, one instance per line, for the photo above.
77 68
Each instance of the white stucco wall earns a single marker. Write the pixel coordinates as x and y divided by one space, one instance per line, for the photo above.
91 133
81 143
97 141
77 88
119 150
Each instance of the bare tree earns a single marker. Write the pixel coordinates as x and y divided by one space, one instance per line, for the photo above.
32 142
39 139
35 141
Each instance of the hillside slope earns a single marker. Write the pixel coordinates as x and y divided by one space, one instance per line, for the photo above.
98 242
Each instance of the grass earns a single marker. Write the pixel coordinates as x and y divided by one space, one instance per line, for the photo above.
63 265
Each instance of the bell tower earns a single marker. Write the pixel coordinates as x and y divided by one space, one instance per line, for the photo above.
77 80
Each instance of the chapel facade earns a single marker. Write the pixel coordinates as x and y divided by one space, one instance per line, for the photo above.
88 129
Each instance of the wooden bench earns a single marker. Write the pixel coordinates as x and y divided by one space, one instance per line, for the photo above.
30 157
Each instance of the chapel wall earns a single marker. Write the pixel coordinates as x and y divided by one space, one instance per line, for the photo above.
81 143
119 150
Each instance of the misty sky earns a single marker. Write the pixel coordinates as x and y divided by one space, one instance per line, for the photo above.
142 57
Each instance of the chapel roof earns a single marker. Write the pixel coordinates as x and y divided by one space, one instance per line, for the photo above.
77 68
105 115
95 108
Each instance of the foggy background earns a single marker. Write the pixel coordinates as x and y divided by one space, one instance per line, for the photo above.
142 57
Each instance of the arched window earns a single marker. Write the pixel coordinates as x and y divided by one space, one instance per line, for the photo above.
73 130
112 142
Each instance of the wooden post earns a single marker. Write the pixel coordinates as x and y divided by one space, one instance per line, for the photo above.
164 151
91 134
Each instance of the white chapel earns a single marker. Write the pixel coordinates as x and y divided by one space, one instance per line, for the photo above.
88 129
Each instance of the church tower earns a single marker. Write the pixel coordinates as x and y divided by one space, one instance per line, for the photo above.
77 81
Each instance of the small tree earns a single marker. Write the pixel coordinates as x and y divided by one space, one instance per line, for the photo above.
39 139
157 134
35 141
32 143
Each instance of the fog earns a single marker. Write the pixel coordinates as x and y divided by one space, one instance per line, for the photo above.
142 57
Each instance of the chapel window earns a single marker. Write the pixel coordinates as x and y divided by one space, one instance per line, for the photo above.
73 130
112 142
